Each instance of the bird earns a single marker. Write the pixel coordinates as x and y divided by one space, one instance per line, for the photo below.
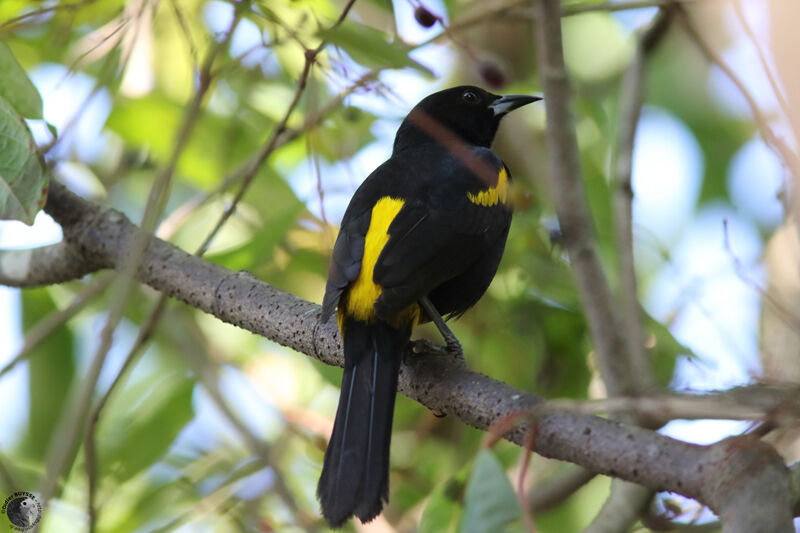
420 240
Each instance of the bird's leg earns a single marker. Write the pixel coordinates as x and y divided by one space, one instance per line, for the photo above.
452 346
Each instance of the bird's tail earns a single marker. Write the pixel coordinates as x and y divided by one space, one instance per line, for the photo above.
355 473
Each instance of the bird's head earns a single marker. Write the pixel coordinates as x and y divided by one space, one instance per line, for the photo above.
470 113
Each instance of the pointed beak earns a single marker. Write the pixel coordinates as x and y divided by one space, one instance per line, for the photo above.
510 102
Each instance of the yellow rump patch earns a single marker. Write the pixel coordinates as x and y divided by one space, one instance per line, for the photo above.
359 300
492 195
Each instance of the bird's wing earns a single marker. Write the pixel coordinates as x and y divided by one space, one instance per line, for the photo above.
346 260
435 237
348 251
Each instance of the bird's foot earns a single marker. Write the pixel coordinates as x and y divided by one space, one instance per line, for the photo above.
424 346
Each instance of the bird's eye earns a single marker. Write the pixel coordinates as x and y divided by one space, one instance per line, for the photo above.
470 97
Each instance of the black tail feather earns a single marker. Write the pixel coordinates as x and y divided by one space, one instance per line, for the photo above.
355 473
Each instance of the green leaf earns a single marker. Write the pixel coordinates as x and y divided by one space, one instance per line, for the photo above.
137 439
490 502
371 48
51 370
23 180
216 143
442 511
343 134
664 350
17 88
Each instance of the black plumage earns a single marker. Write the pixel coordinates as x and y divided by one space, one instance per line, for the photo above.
431 222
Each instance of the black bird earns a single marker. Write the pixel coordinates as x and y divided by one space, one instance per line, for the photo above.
421 239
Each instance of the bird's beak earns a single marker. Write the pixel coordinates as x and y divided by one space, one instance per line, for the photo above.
510 102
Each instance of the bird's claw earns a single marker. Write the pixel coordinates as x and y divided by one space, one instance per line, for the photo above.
424 346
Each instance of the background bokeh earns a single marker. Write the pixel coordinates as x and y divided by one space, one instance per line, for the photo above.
710 228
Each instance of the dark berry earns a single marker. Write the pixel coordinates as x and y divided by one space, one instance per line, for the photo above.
492 75
425 17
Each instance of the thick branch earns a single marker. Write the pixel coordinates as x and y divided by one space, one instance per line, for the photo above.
744 471
45 265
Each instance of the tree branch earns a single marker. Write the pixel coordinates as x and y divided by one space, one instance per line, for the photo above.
626 501
631 97
552 492
736 477
602 313
614 355
45 265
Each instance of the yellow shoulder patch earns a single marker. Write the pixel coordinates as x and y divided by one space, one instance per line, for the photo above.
359 300
492 195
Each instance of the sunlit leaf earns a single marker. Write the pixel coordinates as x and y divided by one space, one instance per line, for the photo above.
16 87
51 371
370 47
23 180
142 436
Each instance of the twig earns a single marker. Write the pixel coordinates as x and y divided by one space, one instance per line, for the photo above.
631 97
209 376
98 84
145 332
602 313
501 9
748 30
554 491
794 485
684 407
73 425
15 21
186 32
787 315
148 329
622 508
272 142
44 265
8 478
522 498
213 500
181 213
780 147
43 329
579 9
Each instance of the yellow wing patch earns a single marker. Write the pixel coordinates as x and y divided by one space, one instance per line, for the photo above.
359 300
492 195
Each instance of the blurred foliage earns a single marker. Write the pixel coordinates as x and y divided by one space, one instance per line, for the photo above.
23 180
167 454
